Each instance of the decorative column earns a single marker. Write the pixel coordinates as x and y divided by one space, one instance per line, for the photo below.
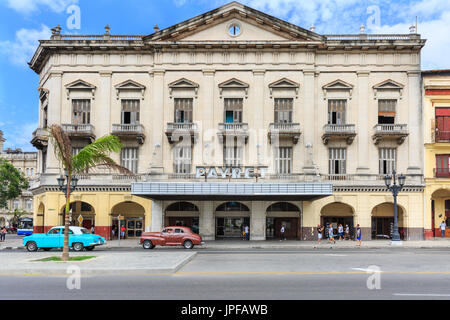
103 115
258 221
415 139
157 216
54 117
257 99
158 119
206 221
309 124
205 119
363 122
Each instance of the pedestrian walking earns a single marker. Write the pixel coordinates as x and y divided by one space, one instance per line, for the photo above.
122 232
92 230
443 227
347 232
320 229
3 232
282 233
341 232
358 236
331 234
247 234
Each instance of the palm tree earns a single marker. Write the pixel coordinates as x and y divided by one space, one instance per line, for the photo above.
92 156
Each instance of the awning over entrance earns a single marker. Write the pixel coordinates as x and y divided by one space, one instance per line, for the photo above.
231 191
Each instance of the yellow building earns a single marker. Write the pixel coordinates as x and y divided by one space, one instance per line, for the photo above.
437 150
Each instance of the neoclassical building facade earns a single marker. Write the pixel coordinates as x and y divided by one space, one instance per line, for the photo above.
236 118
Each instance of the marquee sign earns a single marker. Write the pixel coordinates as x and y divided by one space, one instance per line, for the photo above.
231 172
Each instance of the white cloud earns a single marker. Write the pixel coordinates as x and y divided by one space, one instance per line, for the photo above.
19 136
21 50
28 6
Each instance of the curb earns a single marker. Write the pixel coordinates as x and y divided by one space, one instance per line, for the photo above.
96 271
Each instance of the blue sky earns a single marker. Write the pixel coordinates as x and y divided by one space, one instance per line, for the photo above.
24 22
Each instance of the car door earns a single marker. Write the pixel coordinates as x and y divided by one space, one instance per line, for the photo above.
52 239
178 236
168 235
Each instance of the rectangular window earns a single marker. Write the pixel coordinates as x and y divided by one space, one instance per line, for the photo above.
337 160
16 204
29 205
182 158
233 110
283 110
442 166
283 160
442 124
81 111
388 160
129 159
386 111
130 111
183 110
232 156
336 111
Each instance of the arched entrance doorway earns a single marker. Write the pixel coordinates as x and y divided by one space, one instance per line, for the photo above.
440 211
182 214
383 221
231 218
337 213
79 210
134 219
283 214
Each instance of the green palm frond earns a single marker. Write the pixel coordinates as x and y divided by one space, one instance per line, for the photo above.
96 154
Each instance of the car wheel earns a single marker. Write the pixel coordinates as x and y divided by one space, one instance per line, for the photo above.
188 244
31 246
78 246
147 244
90 248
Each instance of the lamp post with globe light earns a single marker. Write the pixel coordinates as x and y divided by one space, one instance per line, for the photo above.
395 189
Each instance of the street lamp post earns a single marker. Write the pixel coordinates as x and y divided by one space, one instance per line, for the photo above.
62 183
395 189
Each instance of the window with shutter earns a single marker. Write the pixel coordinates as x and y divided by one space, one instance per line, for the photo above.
388 160
233 110
337 160
81 111
386 111
336 111
283 110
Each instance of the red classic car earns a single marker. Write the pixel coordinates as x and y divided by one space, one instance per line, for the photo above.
171 236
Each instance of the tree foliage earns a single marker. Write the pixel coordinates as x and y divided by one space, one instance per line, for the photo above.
12 182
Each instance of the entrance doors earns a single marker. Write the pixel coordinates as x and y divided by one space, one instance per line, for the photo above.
231 227
382 228
135 227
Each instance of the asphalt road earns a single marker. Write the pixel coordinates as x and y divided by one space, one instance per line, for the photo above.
264 275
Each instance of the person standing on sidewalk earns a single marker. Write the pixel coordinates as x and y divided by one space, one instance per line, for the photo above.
358 236
347 232
247 234
282 233
3 234
341 232
319 233
443 227
330 234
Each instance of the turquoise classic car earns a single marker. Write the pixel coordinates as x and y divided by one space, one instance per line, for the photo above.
79 239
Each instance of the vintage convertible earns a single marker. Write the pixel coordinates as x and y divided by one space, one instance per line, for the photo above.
171 236
79 239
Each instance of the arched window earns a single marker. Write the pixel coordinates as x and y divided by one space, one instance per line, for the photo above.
182 206
232 206
282 206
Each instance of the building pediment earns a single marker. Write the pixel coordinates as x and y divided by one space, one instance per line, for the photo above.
284 84
183 84
80 85
234 84
254 25
388 86
338 85
129 85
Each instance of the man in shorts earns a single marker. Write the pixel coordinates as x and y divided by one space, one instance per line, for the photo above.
330 234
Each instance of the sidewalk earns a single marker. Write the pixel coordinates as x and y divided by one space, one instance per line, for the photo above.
17 243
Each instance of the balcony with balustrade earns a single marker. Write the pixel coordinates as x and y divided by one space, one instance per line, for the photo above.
339 131
129 131
235 130
84 131
284 130
397 132
40 139
175 131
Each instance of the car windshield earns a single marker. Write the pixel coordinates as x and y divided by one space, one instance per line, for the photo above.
85 231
